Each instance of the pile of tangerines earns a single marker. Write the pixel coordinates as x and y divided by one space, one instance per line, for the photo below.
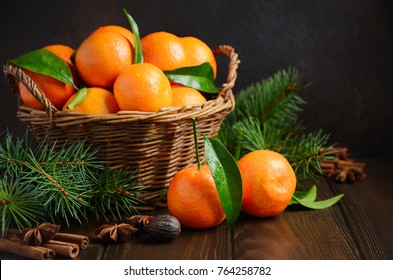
104 63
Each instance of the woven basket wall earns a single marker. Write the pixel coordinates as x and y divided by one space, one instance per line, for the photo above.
156 144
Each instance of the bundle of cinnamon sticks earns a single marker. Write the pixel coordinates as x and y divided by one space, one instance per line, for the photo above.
341 168
34 245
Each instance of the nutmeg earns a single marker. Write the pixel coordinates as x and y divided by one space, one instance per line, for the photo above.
163 227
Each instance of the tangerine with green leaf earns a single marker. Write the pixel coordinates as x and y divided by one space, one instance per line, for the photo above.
96 101
141 86
56 91
168 51
102 56
193 198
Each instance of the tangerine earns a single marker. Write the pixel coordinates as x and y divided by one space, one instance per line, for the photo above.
183 96
269 183
97 101
102 56
193 198
64 52
119 29
169 52
142 87
27 98
56 91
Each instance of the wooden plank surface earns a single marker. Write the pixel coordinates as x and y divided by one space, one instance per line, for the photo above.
296 234
191 244
368 210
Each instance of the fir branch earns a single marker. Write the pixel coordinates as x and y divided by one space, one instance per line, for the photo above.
60 183
19 205
274 99
62 188
116 193
66 182
303 152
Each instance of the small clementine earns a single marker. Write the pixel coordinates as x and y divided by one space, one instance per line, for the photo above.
119 29
27 98
269 183
102 56
185 96
142 87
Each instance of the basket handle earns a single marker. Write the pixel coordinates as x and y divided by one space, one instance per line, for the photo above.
226 88
16 74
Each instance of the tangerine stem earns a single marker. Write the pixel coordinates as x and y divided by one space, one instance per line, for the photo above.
196 143
79 97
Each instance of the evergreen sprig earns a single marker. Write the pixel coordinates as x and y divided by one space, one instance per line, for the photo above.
266 117
273 100
59 184
19 205
114 193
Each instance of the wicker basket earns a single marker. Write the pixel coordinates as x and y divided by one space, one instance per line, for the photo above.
156 144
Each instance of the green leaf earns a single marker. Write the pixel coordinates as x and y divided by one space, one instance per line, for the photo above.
308 196
79 97
199 77
137 41
45 62
226 176
307 199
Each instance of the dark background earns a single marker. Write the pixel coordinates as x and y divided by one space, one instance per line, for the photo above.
344 48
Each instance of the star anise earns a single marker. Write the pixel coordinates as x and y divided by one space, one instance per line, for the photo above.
347 175
40 234
139 221
341 168
116 233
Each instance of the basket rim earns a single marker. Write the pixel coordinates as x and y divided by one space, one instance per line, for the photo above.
224 100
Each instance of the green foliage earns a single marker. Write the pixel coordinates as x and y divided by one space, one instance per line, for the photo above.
41 182
200 77
307 199
47 63
274 100
227 178
266 117
19 205
115 193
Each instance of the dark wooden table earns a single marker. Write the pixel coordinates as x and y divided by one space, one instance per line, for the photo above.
359 227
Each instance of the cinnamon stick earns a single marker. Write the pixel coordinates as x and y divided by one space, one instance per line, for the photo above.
342 168
327 167
16 246
339 152
80 240
61 248
345 163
